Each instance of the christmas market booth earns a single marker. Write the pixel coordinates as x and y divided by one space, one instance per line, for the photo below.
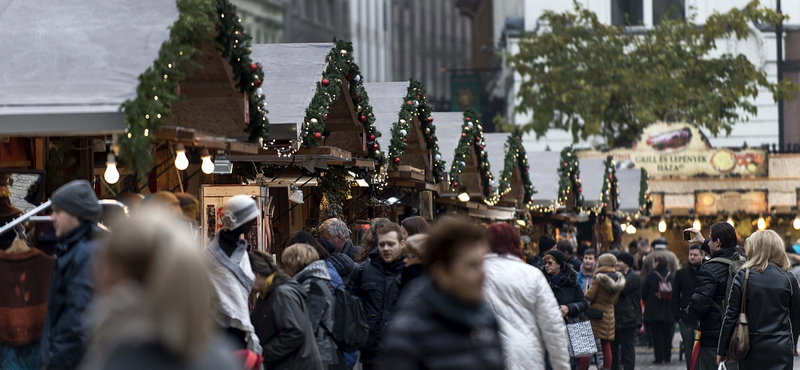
414 165
509 165
323 140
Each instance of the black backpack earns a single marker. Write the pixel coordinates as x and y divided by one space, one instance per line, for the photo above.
350 328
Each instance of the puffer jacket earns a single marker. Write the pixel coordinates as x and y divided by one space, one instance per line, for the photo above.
283 328
432 330
712 279
628 311
320 303
603 295
64 336
378 285
528 314
567 291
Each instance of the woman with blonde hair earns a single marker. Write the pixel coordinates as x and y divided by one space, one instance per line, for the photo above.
772 304
153 305
302 262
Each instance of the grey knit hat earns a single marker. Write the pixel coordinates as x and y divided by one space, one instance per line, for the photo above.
77 198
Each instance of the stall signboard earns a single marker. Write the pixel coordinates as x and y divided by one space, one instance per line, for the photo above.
710 203
681 150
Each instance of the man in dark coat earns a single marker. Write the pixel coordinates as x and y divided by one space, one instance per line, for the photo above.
682 292
281 320
337 232
75 214
377 283
442 321
566 247
628 315
709 292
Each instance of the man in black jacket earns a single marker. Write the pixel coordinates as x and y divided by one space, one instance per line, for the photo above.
377 283
336 231
709 292
628 315
682 292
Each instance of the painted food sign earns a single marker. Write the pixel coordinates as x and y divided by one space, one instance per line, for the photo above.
708 203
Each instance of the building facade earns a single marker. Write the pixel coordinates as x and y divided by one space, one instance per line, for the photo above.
263 20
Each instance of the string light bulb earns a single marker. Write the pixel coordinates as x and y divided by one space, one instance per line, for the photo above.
696 224
762 223
463 196
181 162
208 165
662 226
796 223
631 229
112 174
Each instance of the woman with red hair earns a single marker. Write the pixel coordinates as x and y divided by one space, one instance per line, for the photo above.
530 319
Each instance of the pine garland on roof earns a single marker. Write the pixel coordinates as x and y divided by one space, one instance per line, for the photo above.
416 104
472 139
645 201
341 66
609 196
569 177
516 158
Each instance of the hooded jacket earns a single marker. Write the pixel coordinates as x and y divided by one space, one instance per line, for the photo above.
528 314
316 282
64 335
567 290
281 321
603 295
628 311
432 330
712 279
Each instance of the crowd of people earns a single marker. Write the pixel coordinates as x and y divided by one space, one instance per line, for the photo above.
452 295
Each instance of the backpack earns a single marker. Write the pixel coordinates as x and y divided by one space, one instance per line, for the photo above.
664 291
734 265
350 328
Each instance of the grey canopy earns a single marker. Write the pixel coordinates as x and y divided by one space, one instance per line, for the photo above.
448 130
496 153
67 66
628 181
543 172
386 99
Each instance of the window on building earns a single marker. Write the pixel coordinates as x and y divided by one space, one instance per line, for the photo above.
674 9
628 12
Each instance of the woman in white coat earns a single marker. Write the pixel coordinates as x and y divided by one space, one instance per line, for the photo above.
531 323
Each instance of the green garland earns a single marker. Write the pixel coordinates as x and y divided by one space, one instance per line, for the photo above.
416 104
516 157
472 138
569 177
341 65
177 59
336 189
645 201
610 186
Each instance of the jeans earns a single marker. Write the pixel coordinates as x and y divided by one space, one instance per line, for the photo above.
623 349
662 340
707 360
687 334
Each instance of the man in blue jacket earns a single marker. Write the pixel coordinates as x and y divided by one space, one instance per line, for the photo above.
75 214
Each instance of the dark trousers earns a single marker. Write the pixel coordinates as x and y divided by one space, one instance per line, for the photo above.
687 334
623 349
707 360
662 340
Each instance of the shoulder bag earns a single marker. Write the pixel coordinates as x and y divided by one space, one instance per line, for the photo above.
740 339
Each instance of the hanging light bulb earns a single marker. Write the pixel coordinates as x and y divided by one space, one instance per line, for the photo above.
208 164
730 221
796 223
762 223
520 222
181 162
696 224
662 226
623 227
631 229
111 175
463 196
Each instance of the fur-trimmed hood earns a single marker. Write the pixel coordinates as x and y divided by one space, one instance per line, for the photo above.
568 277
603 277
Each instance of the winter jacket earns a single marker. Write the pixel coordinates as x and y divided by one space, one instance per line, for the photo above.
773 315
283 328
655 309
152 356
335 263
528 314
434 331
343 264
320 303
682 290
64 335
567 291
351 250
377 284
712 279
409 274
603 295
628 311
575 262
672 262
585 278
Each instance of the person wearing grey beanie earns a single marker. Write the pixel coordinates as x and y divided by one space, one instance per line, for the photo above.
75 214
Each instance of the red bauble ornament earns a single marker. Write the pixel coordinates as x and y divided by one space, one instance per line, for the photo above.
455 183
430 119
358 96
463 135
325 82
375 146
253 67
526 169
362 119
317 135
349 77
419 96
565 164
405 140
479 147
467 119
430 139
397 161
488 189
408 102
371 138
325 117
257 83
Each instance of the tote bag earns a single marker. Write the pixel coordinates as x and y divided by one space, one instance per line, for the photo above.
581 339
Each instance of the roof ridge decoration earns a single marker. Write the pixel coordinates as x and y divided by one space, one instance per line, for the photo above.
341 65
569 176
516 157
609 196
472 138
645 200
159 86
415 103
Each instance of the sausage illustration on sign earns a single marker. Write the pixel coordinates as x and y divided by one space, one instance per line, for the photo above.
670 141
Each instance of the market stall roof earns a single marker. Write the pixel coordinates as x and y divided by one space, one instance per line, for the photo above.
83 62
291 73
592 172
543 170
496 151
448 127
629 180
386 99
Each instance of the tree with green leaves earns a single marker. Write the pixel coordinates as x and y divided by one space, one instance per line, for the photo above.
593 79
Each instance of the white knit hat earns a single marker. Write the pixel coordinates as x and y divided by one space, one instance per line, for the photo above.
238 210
